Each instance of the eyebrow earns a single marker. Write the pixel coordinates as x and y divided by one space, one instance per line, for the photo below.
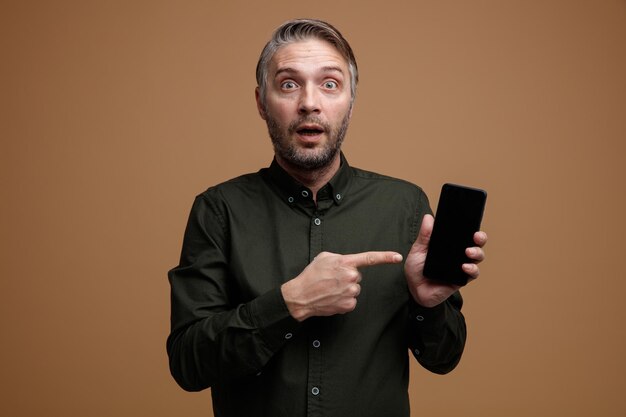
289 70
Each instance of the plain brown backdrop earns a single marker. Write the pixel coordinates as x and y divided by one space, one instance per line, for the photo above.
115 114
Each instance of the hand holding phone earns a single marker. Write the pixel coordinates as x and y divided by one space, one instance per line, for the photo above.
459 214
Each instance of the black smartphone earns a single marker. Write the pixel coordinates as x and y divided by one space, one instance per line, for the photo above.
459 214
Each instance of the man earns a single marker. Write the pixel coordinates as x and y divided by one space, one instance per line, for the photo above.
291 297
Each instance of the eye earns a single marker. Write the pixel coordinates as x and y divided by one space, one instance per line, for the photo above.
331 85
288 85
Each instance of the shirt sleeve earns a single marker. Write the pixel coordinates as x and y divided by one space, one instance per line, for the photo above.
213 338
437 335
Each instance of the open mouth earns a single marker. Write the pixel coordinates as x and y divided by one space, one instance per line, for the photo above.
310 130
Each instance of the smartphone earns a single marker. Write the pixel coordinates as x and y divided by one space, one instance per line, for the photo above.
459 214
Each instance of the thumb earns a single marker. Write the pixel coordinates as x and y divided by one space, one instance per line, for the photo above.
423 238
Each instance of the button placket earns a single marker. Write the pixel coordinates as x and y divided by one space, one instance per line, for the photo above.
315 367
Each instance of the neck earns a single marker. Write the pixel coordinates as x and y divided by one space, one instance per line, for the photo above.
313 179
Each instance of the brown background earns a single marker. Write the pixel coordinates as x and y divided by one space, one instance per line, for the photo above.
116 113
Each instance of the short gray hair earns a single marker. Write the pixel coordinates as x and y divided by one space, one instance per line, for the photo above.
298 30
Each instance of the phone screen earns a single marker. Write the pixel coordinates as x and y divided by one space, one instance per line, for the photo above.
459 214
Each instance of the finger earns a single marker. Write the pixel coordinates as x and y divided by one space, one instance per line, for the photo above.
472 270
352 274
355 290
371 258
480 238
475 254
423 238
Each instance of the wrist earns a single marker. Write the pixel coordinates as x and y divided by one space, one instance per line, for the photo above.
297 310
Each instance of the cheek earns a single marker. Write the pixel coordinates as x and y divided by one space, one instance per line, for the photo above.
280 111
339 111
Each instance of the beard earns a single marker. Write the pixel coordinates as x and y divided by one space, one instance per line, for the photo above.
303 157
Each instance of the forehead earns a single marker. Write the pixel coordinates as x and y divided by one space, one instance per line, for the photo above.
307 54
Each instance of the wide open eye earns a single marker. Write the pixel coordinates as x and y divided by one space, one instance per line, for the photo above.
331 85
288 85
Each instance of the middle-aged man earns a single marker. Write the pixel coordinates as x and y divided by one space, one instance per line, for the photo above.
291 297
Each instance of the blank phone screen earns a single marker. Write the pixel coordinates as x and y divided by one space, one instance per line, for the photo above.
459 214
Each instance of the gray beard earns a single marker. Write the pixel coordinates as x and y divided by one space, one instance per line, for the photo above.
290 153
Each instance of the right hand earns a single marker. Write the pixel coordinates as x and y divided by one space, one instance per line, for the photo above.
330 284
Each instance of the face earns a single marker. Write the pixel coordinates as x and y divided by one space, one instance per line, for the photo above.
308 103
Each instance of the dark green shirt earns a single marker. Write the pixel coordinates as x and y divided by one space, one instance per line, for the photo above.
232 331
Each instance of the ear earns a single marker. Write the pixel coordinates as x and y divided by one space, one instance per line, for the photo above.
259 103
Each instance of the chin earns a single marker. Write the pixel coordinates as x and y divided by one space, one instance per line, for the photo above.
313 159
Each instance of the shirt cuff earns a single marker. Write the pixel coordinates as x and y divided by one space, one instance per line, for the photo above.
271 317
427 317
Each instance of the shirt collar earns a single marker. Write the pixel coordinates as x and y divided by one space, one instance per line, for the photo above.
294 192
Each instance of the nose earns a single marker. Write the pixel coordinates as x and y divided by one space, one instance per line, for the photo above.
309 100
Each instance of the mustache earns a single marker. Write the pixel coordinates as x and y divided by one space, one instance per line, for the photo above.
293 126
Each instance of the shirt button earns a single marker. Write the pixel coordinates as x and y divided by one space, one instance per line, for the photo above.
417 352
316 343
288 336
290 199
305 193
315 391
317 222
338 196
419 318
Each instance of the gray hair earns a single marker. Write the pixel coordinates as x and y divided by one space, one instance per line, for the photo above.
298 30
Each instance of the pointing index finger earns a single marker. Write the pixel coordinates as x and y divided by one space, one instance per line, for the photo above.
372 258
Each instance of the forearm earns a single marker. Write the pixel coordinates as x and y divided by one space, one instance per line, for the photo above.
229 344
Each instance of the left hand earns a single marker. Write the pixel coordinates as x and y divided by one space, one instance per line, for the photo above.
428 293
